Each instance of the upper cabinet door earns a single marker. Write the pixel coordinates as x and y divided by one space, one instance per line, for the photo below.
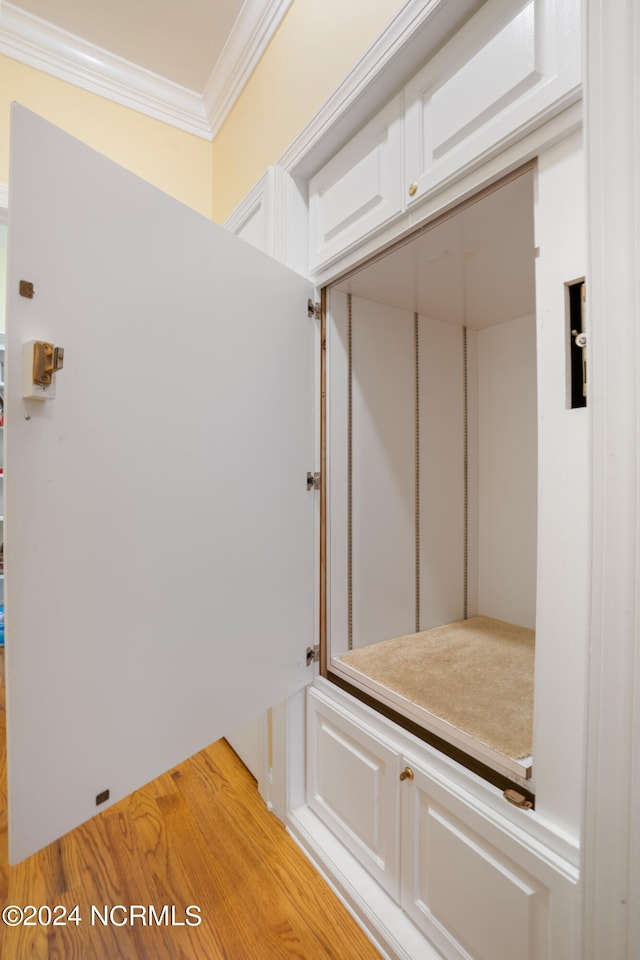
160 547
508 70
359 190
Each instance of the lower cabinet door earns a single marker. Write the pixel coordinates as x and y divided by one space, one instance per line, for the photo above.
353 786
474 888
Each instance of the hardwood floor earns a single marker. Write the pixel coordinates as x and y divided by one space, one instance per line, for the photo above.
199 835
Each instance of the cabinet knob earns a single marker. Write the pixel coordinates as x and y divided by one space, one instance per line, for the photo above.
407 774
413 189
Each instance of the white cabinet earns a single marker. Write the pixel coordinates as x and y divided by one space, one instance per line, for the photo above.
505 74
478 881
359 190
509 69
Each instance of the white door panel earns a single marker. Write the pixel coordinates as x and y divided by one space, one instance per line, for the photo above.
160 546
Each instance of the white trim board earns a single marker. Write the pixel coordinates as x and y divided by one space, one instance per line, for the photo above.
56 52
611 848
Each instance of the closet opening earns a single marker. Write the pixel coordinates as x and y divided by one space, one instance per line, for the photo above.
430 508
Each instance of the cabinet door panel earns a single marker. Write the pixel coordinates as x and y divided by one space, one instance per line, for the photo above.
359 190
476 890
160 549
509 69
353 787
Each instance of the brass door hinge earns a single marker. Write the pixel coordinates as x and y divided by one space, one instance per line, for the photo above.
313 309
313 481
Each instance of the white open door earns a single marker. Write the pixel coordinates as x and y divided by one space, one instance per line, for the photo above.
159 546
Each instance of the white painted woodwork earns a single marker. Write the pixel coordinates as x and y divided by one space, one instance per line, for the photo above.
610 912
386 924
477 876
563 497
253 226
611 827
508 470
274 218
129 649
510 68
359 190
353 786
477 887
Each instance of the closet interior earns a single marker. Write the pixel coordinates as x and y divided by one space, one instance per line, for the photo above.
431 447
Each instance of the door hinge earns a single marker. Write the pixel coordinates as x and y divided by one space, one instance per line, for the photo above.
313 481
313 309
313 655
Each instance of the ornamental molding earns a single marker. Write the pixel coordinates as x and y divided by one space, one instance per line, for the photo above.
60 54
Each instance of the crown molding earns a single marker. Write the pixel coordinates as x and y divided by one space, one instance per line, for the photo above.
60 54
252 32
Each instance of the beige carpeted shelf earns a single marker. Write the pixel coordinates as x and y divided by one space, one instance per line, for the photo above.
476 674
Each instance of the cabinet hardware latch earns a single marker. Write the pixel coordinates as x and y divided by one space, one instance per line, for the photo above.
313 309
41 361
313 655
407 774
313 481
517 799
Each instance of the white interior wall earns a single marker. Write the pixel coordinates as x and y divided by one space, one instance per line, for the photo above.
383 472
502 454
507 471
502 472
441 473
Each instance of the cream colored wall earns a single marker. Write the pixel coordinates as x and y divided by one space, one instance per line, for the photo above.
312 52
176 162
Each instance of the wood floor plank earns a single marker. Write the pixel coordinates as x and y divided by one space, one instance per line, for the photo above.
199 835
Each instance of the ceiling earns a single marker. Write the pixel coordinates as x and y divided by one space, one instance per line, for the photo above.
182 62
476 268
178 41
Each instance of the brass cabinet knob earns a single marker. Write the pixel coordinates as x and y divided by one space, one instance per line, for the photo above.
407 774
413 189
